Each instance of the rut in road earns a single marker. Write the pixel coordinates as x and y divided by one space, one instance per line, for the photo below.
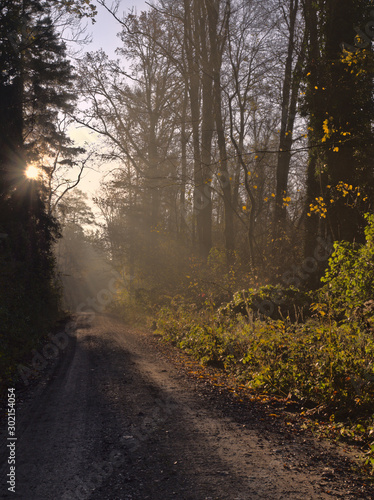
117 421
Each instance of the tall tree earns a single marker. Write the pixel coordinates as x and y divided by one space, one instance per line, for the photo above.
293 70
198 81
35 84
218 33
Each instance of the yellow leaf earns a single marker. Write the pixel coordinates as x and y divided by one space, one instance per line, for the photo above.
336 150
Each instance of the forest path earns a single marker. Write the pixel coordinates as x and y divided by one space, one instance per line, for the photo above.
117 419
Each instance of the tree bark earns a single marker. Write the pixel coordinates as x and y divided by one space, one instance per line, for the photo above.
194 37
217 44
291 84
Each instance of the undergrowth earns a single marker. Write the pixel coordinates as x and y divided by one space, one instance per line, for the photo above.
317 348
322 364
319 361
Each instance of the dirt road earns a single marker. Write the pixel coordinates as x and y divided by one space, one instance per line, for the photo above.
116 419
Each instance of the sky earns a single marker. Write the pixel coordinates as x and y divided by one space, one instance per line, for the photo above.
104 36
104 31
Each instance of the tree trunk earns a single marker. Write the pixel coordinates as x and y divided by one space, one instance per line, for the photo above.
204 215
217 43
289 100
193 36
183 226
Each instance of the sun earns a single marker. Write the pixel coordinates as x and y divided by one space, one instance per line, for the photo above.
32 172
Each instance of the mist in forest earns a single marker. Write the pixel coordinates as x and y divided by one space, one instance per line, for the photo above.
231 154
83 273
234 135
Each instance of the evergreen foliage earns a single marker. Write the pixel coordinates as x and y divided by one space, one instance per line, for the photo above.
35 85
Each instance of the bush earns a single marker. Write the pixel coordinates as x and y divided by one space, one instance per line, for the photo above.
276 302
318 362
349 279
317 346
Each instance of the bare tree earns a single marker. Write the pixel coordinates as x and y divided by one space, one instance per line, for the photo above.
293 70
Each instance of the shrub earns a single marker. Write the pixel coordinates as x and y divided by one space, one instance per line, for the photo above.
321 362
349 279
276 302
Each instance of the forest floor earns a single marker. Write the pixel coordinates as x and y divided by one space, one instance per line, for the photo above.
121 416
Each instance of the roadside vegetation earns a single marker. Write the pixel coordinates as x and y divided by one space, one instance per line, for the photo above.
314 347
